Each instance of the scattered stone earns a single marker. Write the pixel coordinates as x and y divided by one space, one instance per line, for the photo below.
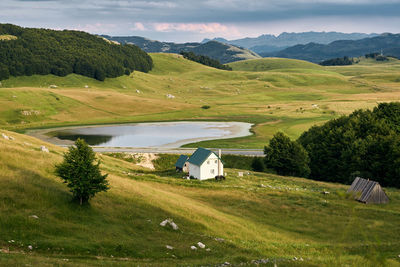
193 248
86 86
314 105
325 192
170 222
53 86
11 138
218 239
30 112
240 174
14 96
5 136
301 259
30 247
226 263
138 91
170 96
11 241
169 247
201 245
44 149
295 258
34 216
261 185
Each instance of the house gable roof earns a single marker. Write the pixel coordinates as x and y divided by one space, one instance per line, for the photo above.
368 191
181 161
200 155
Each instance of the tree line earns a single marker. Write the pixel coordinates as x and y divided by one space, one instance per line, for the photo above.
365 143
340 61
42 51
205 60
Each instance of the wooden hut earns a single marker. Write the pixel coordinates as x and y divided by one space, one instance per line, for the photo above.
368 191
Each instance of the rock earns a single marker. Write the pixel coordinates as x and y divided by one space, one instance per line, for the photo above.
86 86
201 245
170 222
218 239
295 258
44 149
261 185
138 91
30 247
34 216
53 86
240 174
11 138
14 96
227 263
170 96
193 248
5 136
169 247
325 192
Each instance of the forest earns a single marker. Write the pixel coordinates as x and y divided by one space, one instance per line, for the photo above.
204 60
42 51
366 143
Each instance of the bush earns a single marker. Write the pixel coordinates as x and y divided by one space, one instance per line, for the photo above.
257 164
83 178
205 107
286 157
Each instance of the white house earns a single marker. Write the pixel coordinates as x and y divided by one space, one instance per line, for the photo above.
205 164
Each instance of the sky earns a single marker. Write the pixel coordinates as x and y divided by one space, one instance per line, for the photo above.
193 20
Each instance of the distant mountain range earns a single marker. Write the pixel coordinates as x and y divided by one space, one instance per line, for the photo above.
388 43
224 53
271 43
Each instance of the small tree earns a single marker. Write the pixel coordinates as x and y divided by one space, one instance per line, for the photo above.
80 173
286 157
257 164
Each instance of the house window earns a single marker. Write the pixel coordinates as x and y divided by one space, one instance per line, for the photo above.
212 171
216 161
208 162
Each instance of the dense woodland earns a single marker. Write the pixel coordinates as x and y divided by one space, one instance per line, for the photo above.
365 143
41 51
339 61
205 60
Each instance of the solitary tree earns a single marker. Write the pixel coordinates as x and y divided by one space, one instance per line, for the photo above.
286 157
80 172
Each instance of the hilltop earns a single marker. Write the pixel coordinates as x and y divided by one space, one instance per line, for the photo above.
222 52
387 43
259 217
28 51
268 64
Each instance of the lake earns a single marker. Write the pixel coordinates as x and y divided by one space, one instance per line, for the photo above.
161 134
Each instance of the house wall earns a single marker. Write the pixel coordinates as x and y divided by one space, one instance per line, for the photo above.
194 171
209 168
186 167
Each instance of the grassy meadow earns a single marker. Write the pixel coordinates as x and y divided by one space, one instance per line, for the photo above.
274 94
259 216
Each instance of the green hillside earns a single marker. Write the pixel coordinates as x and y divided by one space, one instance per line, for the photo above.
269 64
286 98
28 51
259 216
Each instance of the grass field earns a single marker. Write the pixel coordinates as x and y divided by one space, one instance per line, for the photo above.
259 216
274 94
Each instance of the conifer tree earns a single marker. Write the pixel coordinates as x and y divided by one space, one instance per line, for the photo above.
80 172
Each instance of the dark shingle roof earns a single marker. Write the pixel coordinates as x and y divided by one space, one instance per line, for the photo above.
181 161
200 155
368 191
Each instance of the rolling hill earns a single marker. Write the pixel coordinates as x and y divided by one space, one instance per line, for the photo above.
268 64
259 218
28 51
224 53
389 44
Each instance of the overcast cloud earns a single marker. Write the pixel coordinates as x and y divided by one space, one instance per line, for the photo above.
193 20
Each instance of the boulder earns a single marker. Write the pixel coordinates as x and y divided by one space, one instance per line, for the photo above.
169 247
30 247
34 216
170 222
201 245
193 248
5 136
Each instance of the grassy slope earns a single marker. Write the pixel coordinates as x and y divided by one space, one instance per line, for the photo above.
281 98
121 227
267 64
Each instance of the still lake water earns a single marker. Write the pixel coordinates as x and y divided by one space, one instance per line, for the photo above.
163 134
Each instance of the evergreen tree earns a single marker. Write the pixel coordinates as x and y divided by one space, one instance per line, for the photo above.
286 157
257 164
80 173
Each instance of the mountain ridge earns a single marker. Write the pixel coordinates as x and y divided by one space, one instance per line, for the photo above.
222 52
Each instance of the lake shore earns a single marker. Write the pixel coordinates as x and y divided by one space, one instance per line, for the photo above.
231 130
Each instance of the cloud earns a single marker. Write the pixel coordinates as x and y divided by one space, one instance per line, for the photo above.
138 26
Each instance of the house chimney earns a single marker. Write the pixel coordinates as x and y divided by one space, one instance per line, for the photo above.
219 162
